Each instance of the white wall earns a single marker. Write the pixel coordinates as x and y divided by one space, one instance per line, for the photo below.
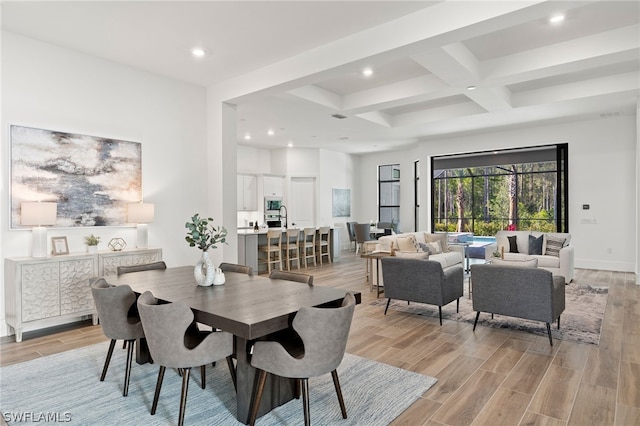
48 87
602 173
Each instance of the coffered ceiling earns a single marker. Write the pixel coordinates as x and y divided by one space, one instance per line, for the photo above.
424 56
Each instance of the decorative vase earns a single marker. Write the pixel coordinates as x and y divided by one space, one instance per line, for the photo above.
92 249
205 271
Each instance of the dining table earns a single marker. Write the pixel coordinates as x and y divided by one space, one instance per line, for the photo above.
248 307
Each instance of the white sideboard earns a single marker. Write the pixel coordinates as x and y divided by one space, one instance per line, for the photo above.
40 293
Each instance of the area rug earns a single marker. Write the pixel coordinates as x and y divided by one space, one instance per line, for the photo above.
66 387
580 322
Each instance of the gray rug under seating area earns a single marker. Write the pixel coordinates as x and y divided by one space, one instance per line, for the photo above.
67 385
580 322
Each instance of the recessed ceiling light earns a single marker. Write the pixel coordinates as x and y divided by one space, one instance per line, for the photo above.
556 18
290 144
247 137
367 72
471 87
270 132
197 52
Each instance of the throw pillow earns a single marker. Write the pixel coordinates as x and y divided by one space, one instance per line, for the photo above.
433 248
441 236
412 255
530 263
407 243
513 244
554 245
535 244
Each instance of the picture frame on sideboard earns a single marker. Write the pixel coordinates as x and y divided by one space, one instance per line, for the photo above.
59 246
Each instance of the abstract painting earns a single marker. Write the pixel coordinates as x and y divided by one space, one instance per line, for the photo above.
341 202
91 178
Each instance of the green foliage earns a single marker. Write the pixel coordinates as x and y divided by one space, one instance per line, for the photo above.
91 240
203 234
485 196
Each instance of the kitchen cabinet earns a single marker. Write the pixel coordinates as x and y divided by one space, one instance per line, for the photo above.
43 292
273 186
247 196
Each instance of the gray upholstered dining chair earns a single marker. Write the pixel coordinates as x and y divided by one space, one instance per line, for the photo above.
351 230
323 350
234 267
113 304
363 234
173 344
292 276
144 267
126 269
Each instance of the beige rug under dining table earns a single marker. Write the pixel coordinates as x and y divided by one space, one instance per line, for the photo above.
249 307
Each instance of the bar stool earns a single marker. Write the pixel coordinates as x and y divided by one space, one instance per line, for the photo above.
291 244
308 245
323 243
272 250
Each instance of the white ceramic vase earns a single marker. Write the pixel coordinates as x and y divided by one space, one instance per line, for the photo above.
92 249
205 271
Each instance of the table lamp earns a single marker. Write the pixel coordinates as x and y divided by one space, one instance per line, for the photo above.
38 214
141 214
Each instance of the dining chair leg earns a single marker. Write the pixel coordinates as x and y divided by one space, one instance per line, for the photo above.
232 370
203 376
156 395
108 360
127 374
183 395
305 402
255 405
336 384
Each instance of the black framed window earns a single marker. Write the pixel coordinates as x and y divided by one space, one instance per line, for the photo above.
416 195
389 194
524 189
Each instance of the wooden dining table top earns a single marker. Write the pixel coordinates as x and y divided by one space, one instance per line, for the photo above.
246 306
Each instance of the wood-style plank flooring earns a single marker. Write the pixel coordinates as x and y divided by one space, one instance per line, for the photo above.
490 377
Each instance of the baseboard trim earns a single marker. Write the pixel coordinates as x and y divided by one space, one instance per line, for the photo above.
604 265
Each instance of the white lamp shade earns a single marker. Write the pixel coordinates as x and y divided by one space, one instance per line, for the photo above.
38 213
141 213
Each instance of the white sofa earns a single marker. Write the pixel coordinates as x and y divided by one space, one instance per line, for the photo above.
558 265
451 256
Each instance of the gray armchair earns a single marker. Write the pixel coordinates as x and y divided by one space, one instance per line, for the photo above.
522 292
422 281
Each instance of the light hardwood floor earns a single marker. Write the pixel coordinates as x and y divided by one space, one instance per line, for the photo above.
490 377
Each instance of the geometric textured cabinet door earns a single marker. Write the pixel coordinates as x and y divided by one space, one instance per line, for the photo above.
43 292
40 291
75 293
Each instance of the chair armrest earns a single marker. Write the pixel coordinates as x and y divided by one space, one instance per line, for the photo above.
566 263
489 249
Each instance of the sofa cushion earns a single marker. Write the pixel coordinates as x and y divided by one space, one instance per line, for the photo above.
447 259
407 243
524 262
548 262
442 237
553 246
412 254
535 244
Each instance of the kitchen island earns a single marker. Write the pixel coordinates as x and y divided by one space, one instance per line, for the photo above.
248 241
